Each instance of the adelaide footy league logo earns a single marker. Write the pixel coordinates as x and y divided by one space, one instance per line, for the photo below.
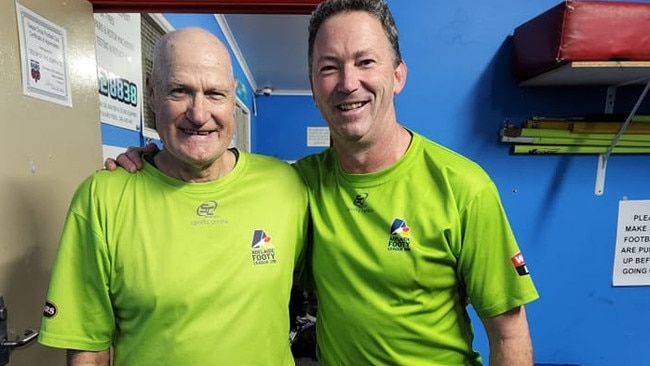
262 250
399 236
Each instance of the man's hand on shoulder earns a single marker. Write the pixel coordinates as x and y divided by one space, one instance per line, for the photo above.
131 160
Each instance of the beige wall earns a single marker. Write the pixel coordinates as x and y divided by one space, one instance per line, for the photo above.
46 150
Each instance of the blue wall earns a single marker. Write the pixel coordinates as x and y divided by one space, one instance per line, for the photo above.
459 92
281 128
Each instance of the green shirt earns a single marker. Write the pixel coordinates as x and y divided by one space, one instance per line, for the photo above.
174 273
398 253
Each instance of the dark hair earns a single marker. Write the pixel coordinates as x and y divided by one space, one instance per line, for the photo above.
376 8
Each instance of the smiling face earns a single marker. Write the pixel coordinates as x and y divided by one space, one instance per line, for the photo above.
192 94
354 77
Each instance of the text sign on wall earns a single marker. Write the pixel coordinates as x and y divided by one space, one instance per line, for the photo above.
318 136
119 69
632 259
43 57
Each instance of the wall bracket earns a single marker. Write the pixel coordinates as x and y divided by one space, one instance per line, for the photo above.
601 169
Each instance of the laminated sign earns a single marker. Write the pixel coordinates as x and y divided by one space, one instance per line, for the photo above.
632 258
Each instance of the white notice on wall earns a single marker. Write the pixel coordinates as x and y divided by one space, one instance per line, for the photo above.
318 136
119 69
632 258
43 58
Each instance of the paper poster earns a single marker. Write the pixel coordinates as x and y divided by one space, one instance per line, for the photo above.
632 258
119 69
44 65
318 136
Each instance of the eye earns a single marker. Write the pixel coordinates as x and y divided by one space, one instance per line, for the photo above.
327 69
215 94
178 92
366 62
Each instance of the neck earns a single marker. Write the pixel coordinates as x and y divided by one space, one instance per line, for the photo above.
195 173
374 156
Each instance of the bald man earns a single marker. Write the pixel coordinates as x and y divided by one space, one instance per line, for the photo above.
190 260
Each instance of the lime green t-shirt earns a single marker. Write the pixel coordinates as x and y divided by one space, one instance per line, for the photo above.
398 253
175 273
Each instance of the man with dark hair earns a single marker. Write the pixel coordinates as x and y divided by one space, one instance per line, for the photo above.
393 278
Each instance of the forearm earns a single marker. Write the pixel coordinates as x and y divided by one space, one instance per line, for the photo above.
88 358
511 352
509 337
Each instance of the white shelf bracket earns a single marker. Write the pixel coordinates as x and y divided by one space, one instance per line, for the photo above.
609 108
601 169
600 174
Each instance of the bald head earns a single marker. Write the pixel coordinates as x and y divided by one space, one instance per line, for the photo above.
192 94
191 43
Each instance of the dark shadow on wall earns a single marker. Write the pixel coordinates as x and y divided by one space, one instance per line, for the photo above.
498 99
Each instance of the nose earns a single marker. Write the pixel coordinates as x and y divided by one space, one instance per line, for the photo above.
349 80
197 112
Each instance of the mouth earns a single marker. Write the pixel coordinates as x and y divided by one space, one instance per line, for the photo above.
189 131
350 106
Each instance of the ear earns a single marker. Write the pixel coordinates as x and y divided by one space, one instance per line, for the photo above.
150 96
311 86
400 77
150 92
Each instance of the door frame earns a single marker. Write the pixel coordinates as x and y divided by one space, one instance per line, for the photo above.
206 6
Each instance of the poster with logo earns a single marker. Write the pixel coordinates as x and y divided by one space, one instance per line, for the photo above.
632 257
119 69
44 65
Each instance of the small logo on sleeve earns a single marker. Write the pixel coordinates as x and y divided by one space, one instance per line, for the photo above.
49 310
520 264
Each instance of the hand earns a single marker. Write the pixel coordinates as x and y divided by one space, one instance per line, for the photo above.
131 160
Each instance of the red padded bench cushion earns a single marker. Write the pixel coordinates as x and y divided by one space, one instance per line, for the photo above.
582 31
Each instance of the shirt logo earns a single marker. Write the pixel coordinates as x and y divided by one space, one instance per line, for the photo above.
49 310
360 200
207 215
206 209
399 236
262 250
520 264
360 203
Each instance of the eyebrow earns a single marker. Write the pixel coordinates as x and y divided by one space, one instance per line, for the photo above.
357 54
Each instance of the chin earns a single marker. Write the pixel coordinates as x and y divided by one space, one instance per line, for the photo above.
352 131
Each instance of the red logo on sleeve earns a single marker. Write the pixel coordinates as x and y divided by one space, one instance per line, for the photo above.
520 264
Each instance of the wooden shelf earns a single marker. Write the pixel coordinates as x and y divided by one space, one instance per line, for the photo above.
611 74
593 73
